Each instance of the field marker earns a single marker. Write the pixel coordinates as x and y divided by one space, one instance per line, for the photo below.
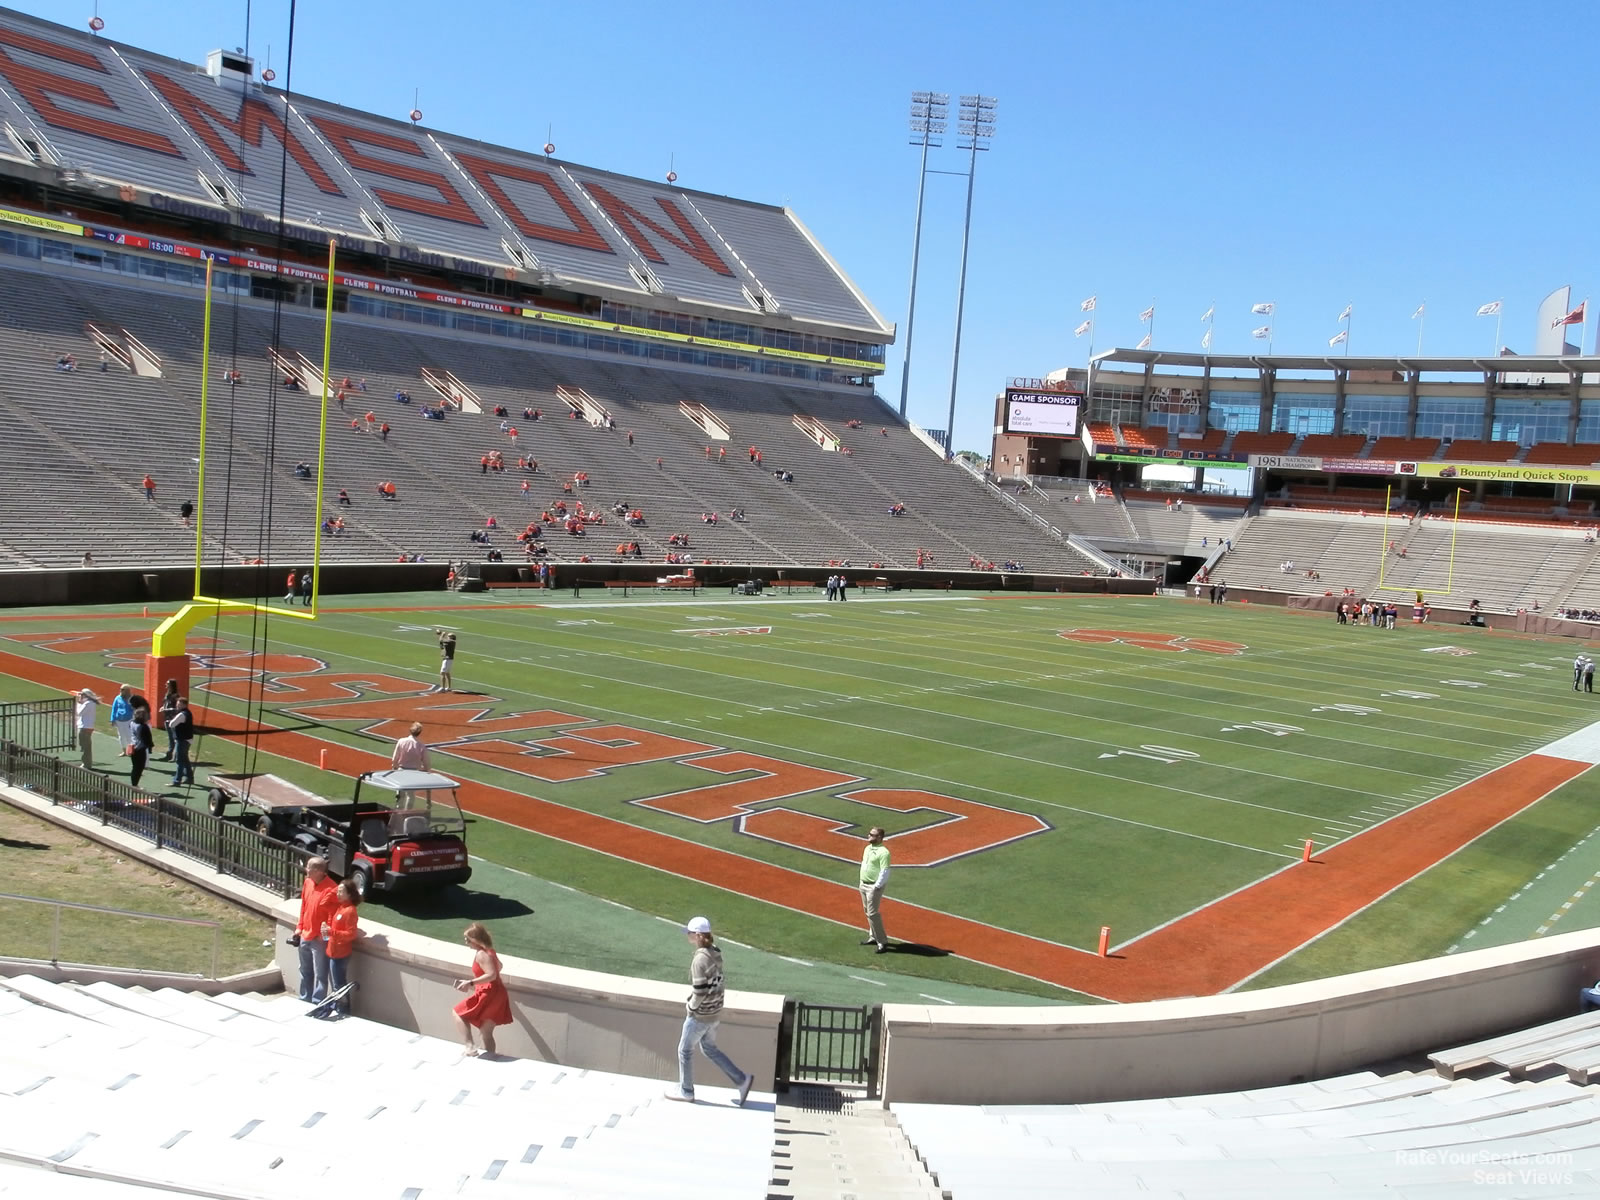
1105 939
873 982
938 999
799 962
1306 857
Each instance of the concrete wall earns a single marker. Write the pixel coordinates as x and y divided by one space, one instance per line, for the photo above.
584 1019
1278 1035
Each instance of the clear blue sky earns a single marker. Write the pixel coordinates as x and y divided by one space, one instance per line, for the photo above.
1312 154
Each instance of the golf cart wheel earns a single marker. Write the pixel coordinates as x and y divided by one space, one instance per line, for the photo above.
360 878
264 825
216 802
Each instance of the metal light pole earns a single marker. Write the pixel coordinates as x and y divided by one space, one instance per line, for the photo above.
976 125
928 110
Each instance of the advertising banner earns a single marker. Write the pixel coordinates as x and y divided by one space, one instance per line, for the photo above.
1508 473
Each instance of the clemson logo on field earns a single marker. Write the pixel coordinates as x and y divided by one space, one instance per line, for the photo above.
1145 640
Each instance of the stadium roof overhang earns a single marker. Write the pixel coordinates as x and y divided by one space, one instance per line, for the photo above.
1575 364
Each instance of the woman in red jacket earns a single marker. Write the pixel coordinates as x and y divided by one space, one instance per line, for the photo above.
341 932
490 1003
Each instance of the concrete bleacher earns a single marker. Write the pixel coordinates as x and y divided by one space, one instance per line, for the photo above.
92 445
244 1095
1405 1134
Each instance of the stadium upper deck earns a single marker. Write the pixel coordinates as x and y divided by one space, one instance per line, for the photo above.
100 118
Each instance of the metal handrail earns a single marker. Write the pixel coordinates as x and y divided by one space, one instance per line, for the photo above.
58 905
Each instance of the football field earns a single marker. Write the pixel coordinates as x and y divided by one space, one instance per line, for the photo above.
1047 767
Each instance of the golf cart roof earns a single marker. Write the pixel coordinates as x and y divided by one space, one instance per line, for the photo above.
409 781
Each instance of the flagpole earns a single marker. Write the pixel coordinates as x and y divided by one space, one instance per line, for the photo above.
1091 336
1498 317
1348 321
1422 320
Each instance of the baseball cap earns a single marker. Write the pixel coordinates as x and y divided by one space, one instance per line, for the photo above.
698 925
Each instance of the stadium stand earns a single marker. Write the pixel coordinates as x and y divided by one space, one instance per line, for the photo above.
1404 449
1556 454
116 428
1474 450
1212 439
138 1089
1333 445
1407 1133
1247 442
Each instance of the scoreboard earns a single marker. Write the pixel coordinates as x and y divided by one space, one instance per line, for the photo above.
1035 412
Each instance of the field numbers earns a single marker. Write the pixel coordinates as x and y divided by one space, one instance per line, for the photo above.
1163 754
1506 674
1472 683
1359 710
1536 666
1275 728
1407 694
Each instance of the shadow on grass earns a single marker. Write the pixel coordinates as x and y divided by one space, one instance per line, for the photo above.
459 902
917 950
17 844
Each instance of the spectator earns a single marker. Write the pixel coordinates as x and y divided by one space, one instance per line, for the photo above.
140 746
66 362
168 709
344 497
88 559
409 752
186 511
181 727
105 360
319 900
703 1012
305 588
83 716
302 470
122 718
383 431
292 588
402 397
149 485
489 1004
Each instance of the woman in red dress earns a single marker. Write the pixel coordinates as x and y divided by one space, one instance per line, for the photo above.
490 1003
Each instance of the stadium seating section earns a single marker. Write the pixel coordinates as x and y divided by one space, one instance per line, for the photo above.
125 1092
90 445
1471 450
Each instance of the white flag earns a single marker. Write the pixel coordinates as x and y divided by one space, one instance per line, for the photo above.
1205 342
1144 343
1209 313
1491 309
1148 314
1345 315
1264 309
1421 308
1082 329
1341 336
1087 305
1264 332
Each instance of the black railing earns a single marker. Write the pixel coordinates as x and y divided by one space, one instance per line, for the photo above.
829 1043
38 724
227 846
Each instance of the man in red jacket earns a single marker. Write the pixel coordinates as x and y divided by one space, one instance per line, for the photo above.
319 898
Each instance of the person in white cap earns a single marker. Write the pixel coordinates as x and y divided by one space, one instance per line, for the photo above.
83 715
704 1010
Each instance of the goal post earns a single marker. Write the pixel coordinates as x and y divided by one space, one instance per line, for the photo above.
169 657
1384 555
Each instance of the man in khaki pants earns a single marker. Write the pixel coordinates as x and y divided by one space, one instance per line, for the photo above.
874 878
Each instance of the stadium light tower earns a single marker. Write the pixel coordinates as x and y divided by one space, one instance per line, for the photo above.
975 124
928 111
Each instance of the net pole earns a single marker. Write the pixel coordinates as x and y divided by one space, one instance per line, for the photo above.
322 438
1383 536
205 380
1455 526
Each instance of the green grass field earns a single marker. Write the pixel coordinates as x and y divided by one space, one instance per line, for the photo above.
1166 774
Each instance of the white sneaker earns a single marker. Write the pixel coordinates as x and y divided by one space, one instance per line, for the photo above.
677 1094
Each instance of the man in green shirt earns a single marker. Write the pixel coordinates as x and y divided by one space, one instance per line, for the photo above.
874 878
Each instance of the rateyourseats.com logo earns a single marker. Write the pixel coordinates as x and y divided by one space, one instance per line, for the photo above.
1491 1169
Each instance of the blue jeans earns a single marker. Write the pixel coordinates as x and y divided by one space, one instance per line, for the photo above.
338 976
313 970
1588 998
704 1035
183 771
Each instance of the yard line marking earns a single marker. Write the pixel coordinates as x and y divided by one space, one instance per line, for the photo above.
799 962
873 982
937 999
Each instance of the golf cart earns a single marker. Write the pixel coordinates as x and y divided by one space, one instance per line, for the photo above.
411 835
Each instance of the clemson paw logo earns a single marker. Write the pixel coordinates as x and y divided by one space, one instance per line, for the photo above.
1144 640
